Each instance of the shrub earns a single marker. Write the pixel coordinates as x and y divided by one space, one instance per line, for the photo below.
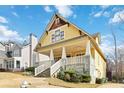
73 76
86 78
61 74
30 69
76 77
70 71
27 73
101 80
2 70
67 77
98 81
105 80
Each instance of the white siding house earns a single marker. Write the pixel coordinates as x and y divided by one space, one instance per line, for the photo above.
16 57
2 55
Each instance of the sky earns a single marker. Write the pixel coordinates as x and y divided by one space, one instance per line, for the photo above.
17 22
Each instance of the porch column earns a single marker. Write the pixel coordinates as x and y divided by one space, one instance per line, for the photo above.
51 56
63 53
88 48
91 63
14 64
64 57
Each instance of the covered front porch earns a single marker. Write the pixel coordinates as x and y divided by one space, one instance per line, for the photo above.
78 46
76 53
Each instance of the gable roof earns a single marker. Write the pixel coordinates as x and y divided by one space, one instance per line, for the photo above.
1 43
81 30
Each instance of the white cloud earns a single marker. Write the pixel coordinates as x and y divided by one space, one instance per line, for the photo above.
102 13
104 6
64 10
3 20
98 14
15 14
47 9
7 34
106 14
118 17
107 44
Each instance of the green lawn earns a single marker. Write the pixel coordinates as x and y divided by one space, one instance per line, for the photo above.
61 83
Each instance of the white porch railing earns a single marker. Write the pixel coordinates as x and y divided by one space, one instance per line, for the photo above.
42 67
80 63
77 60
55 67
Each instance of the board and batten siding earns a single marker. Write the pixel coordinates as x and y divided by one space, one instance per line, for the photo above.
69 32
100 64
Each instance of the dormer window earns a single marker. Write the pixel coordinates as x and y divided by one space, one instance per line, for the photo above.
62 35
53 38
58 35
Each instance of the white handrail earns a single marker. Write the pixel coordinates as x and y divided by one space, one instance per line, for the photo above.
72 61
42 67
55 67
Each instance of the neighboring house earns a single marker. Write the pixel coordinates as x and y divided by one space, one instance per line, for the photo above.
70 47
16 57
2 55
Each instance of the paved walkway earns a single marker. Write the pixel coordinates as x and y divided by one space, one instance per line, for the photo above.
112 85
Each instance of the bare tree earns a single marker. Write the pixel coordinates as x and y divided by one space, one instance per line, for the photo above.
115 56
115 53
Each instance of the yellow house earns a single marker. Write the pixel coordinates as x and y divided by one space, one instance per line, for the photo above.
71 47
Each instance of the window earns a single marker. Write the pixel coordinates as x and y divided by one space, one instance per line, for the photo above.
17 64
59 35
57 32
12 64
62 35
53 38
0 65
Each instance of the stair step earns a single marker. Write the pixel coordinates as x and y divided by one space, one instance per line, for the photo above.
45 73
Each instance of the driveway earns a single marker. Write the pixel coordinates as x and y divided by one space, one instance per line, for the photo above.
13 80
